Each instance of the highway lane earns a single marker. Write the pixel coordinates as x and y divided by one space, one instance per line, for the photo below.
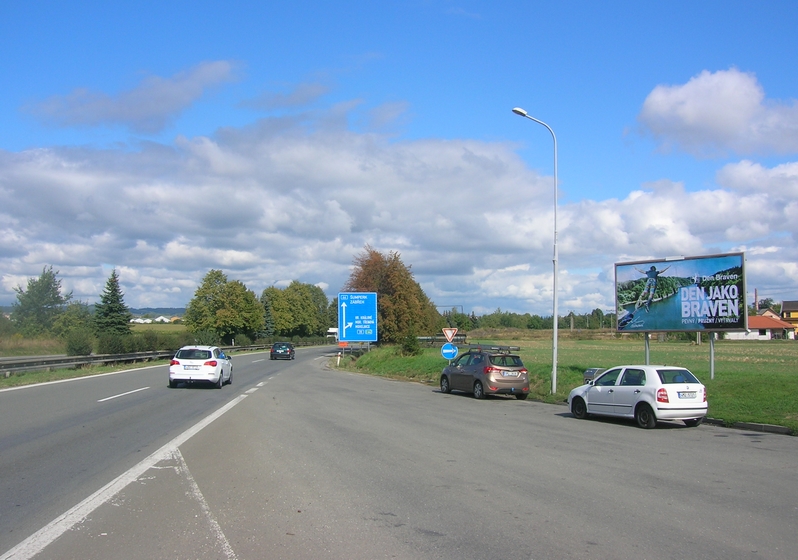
317 463
58 443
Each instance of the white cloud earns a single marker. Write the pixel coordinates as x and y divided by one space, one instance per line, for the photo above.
147 108
285 199
721 112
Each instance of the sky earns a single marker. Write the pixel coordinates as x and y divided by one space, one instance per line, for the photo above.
276 140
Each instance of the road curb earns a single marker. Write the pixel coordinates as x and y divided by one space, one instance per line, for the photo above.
752 426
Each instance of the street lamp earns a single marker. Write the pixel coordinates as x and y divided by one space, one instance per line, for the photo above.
519 111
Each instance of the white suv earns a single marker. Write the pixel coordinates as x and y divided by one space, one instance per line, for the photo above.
206 364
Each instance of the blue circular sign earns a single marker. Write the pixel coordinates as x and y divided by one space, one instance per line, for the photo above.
449 351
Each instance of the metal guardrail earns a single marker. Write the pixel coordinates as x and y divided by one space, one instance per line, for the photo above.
10 366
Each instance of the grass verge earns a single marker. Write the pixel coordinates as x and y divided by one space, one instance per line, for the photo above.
754 382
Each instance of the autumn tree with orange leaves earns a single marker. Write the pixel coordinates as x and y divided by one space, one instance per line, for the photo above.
402 306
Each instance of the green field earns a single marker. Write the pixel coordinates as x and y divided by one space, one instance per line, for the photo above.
754 381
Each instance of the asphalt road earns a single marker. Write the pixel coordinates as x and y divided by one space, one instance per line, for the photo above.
307 462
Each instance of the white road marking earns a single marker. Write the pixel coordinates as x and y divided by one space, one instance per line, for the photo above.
71 379
256 361
39 540
182 468
123 394
248 391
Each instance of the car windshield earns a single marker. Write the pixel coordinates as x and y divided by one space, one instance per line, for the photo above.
672 376
193 354
506 360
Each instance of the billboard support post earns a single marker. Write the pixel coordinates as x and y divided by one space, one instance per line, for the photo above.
712 355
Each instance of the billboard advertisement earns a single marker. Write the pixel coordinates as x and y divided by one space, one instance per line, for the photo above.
682 294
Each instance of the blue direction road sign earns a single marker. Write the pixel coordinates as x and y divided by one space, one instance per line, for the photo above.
357 317
449 351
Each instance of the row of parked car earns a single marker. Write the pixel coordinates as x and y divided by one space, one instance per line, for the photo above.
644 393
210 364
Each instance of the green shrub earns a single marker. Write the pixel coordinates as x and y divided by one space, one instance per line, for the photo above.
242 340
113 344
206 337
79 342
410 345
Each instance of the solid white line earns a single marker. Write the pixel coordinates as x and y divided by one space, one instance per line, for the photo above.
123 394
39 540
216 529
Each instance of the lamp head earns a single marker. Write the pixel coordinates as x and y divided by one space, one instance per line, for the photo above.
520 111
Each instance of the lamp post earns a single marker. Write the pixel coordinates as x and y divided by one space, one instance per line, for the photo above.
521 112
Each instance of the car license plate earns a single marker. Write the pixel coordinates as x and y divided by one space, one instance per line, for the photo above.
686 394
509 374
190 367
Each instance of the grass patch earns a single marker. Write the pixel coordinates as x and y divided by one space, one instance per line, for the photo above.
755 381
33 377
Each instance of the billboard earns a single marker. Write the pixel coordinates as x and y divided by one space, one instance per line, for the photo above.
682 294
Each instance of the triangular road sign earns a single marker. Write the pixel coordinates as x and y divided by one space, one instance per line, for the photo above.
449 334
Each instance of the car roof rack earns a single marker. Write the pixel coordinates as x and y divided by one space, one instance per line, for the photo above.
494 348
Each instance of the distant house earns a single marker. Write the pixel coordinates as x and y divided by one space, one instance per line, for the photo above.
789 312
762 327
161 319
768 313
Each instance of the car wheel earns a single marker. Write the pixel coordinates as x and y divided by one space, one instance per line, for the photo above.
578 408
479 390
694 422
645 416
172 384
230 378
521 396
445 388
220 383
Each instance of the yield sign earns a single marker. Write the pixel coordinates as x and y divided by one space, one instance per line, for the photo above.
449 334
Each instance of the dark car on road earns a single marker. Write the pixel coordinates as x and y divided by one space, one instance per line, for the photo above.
282 351
487 371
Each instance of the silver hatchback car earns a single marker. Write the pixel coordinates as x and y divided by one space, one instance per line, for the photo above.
486 371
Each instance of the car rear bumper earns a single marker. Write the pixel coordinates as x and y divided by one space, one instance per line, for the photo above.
194 377
666 413
504 390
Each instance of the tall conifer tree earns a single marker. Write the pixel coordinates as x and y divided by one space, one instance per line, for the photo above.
111 315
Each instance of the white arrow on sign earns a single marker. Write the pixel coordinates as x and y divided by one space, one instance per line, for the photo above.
343 316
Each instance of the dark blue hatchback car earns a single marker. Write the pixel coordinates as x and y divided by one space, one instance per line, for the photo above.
282 351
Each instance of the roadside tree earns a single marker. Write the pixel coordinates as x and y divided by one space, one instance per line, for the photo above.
298 310
111 315
403 308
224 307
37 307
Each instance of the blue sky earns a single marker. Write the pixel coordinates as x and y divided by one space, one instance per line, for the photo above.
275 140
